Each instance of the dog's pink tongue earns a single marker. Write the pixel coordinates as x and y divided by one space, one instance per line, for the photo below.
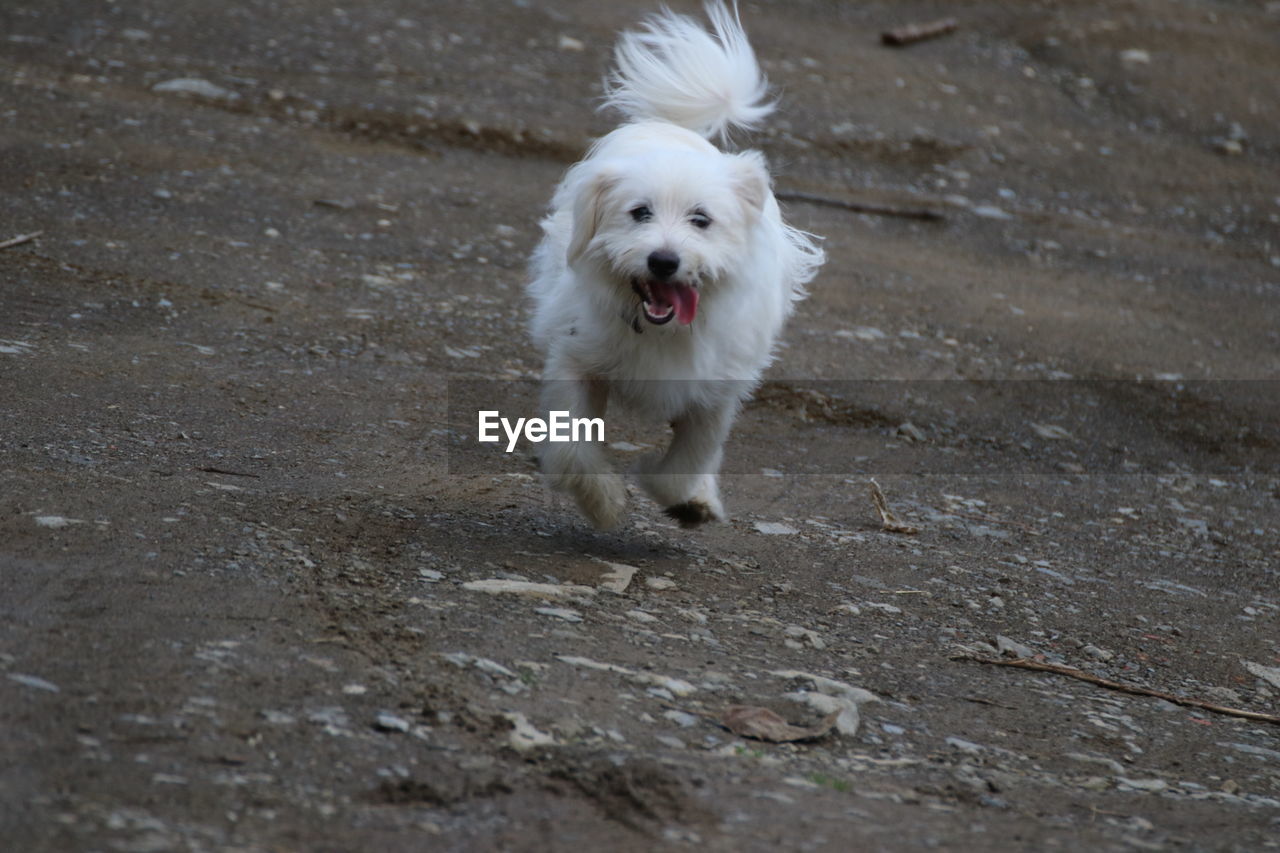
680 296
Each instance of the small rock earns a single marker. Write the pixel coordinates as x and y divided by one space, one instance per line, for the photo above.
774 528
910 432
570 43
1269 674
618 578
964 745
524 736
990 211
1013 648
811 637
862 333
659 584
1135 56
1098 653
641 617
1053 432
496 586
55 522
884 608
681 719
385 722
34 681
560 613
195 86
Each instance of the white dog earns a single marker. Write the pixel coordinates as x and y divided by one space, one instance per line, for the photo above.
666 271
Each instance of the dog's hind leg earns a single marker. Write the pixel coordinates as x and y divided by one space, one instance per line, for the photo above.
685 480
580 467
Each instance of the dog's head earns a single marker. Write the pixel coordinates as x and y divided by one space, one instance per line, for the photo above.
667 227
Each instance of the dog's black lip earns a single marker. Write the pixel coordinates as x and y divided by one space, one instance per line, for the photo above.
641 289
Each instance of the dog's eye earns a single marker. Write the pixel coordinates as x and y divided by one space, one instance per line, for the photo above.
641 214
700 220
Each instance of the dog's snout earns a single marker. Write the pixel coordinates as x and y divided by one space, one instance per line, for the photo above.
663 264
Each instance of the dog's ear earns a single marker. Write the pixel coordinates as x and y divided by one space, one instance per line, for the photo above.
751 179
589 210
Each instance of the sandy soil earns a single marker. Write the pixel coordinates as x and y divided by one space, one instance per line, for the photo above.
238 555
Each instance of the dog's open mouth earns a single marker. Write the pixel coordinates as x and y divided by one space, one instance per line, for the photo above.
663 301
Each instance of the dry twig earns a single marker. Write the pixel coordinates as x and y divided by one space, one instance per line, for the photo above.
20 239
863 207
912 33
1133 689
888 521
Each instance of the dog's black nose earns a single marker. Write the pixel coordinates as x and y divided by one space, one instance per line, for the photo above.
663 264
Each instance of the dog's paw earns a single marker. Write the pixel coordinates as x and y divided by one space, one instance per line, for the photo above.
602 498
693 513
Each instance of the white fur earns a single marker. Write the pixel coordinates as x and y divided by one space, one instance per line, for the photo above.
645 188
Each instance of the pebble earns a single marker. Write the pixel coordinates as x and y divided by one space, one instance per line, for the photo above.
524 736
385 722
681 719
964 745
618 578
659 584
774 528
34 681
885 608
862 333
1098 653
195 86
797 632
496 586
1013 648
1269 674
55 522
560 613
911 432
990 211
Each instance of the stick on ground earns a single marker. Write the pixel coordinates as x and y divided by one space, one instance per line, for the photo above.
20 239
1133 689
912 33
920 213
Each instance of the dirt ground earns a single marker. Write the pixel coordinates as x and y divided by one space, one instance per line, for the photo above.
239 549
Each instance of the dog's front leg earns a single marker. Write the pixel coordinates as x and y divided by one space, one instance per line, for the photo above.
580 467
685 481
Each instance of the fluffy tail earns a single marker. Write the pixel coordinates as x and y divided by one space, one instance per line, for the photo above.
676 71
